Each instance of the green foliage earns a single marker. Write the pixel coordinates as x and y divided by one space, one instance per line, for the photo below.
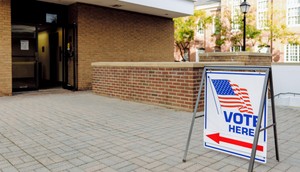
277 29
224 33
280 32
184 29
203 18
218 26
252 33
184 33
221 32
220 41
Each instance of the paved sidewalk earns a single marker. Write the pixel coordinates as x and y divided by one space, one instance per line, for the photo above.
81 131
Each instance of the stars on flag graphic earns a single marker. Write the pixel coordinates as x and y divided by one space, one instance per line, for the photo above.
230 95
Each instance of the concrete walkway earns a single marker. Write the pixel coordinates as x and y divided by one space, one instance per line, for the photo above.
80 131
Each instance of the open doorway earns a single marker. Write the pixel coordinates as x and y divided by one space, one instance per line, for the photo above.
37 56
50 56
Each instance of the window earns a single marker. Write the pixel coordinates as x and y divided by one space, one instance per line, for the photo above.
262 14
213 25
200 28
235 13
51 18
293 12
292 53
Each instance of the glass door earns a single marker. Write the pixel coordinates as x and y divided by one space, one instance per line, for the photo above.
70 57
24 63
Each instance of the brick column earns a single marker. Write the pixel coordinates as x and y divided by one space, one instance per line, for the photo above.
5 48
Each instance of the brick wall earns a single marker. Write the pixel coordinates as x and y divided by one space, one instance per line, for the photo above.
5 49
106 34
171 87
248 58
170 84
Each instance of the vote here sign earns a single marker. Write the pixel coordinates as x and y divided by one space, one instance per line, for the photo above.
231 113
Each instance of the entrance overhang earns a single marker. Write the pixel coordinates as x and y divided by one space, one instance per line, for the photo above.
165 8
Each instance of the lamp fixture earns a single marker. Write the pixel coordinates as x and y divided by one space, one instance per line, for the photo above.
245 6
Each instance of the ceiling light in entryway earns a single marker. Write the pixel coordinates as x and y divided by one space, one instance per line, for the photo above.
116 6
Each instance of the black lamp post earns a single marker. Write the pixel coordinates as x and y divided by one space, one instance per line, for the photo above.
244 8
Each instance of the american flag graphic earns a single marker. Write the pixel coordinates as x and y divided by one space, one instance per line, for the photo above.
232 96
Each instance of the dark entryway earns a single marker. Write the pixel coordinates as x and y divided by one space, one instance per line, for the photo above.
41 36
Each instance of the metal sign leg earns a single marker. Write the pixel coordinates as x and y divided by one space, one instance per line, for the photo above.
194 115
257 130
274 117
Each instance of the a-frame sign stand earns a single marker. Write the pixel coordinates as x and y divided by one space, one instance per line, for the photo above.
268 83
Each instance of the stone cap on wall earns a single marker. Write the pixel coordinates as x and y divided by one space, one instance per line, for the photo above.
249 58
224 54
286 63
166 64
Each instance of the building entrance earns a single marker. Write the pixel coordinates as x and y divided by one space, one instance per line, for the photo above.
43 47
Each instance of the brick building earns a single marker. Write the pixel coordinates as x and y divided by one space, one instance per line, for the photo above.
280 12
53 43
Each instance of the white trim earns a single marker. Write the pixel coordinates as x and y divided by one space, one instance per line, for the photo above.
197 55
214 6
163 8
213 25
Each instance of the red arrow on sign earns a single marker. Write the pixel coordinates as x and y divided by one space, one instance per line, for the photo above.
217 138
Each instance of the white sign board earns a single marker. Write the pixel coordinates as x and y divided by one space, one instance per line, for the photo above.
231 113
24 44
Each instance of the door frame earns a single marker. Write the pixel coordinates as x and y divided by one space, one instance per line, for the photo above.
70 56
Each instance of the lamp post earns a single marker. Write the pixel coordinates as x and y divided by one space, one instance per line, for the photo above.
244 8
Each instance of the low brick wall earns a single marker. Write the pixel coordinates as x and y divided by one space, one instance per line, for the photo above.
170 84
249 58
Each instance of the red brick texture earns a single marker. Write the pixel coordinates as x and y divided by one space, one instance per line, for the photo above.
110 35
174 85
171 87
5 49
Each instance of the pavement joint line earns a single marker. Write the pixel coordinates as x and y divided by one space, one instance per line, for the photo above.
23 151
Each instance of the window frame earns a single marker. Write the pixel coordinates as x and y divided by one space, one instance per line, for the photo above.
235 11
262 20
291 53
292 4
200 29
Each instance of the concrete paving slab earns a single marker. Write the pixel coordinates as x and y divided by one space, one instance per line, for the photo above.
59 130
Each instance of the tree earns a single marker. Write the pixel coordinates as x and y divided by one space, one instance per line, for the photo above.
235 37
224 32
281 33
278 31
253 35
221 31
184 32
